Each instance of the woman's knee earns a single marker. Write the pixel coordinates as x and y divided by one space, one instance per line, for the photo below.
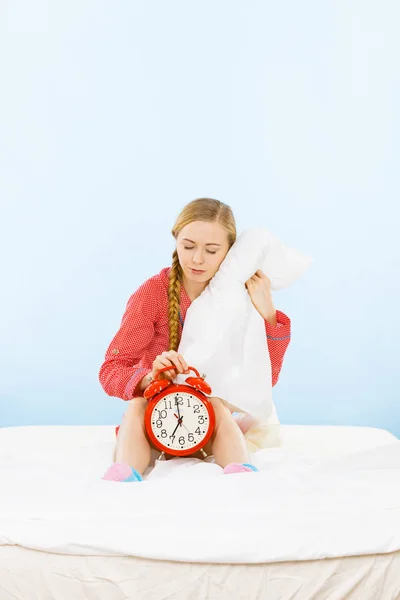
135 410
137 405
222 412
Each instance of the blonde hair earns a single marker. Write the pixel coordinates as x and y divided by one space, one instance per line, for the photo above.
201 209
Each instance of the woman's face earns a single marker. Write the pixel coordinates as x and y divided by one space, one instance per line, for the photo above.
201 247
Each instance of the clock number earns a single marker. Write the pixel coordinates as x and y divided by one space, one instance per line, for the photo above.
163 433
201 420
179 401
196 408
181 440
198 431
188 403
159 423
165 404
162 414
191 437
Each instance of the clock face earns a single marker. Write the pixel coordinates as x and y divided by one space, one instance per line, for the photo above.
180 421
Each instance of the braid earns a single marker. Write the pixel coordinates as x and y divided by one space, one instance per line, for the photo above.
173 298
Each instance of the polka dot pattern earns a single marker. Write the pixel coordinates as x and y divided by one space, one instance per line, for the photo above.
144 333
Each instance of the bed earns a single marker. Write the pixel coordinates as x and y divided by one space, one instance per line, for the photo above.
321 520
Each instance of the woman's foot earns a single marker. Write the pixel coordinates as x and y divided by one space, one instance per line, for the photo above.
122 472
239 468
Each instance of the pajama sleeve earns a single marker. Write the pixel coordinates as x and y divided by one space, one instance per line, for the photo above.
278 338
127 359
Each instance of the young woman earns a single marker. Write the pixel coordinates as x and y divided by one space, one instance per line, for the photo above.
149 335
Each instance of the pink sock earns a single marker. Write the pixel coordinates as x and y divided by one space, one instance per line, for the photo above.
239 468
122 472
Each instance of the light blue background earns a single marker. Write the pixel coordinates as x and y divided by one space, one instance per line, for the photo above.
115 114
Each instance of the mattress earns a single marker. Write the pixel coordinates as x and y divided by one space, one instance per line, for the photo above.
31 575
323 510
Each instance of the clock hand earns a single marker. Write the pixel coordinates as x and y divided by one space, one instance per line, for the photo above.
177 406
180 421
173 433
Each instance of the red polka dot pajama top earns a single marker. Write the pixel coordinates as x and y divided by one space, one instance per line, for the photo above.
144 334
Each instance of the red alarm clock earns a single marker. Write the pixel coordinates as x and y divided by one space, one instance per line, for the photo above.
179 418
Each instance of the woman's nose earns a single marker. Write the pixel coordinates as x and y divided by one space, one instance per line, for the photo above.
198 258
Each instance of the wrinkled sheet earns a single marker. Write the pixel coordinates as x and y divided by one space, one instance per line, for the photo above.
32 575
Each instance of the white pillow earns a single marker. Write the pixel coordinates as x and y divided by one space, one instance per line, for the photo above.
224 335
257 248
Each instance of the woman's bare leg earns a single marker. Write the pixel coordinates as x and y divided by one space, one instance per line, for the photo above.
228 443
133 447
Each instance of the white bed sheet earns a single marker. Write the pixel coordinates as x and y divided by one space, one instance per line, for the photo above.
323 494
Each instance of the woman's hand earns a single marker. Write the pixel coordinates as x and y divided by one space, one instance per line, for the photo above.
168 359
259 289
